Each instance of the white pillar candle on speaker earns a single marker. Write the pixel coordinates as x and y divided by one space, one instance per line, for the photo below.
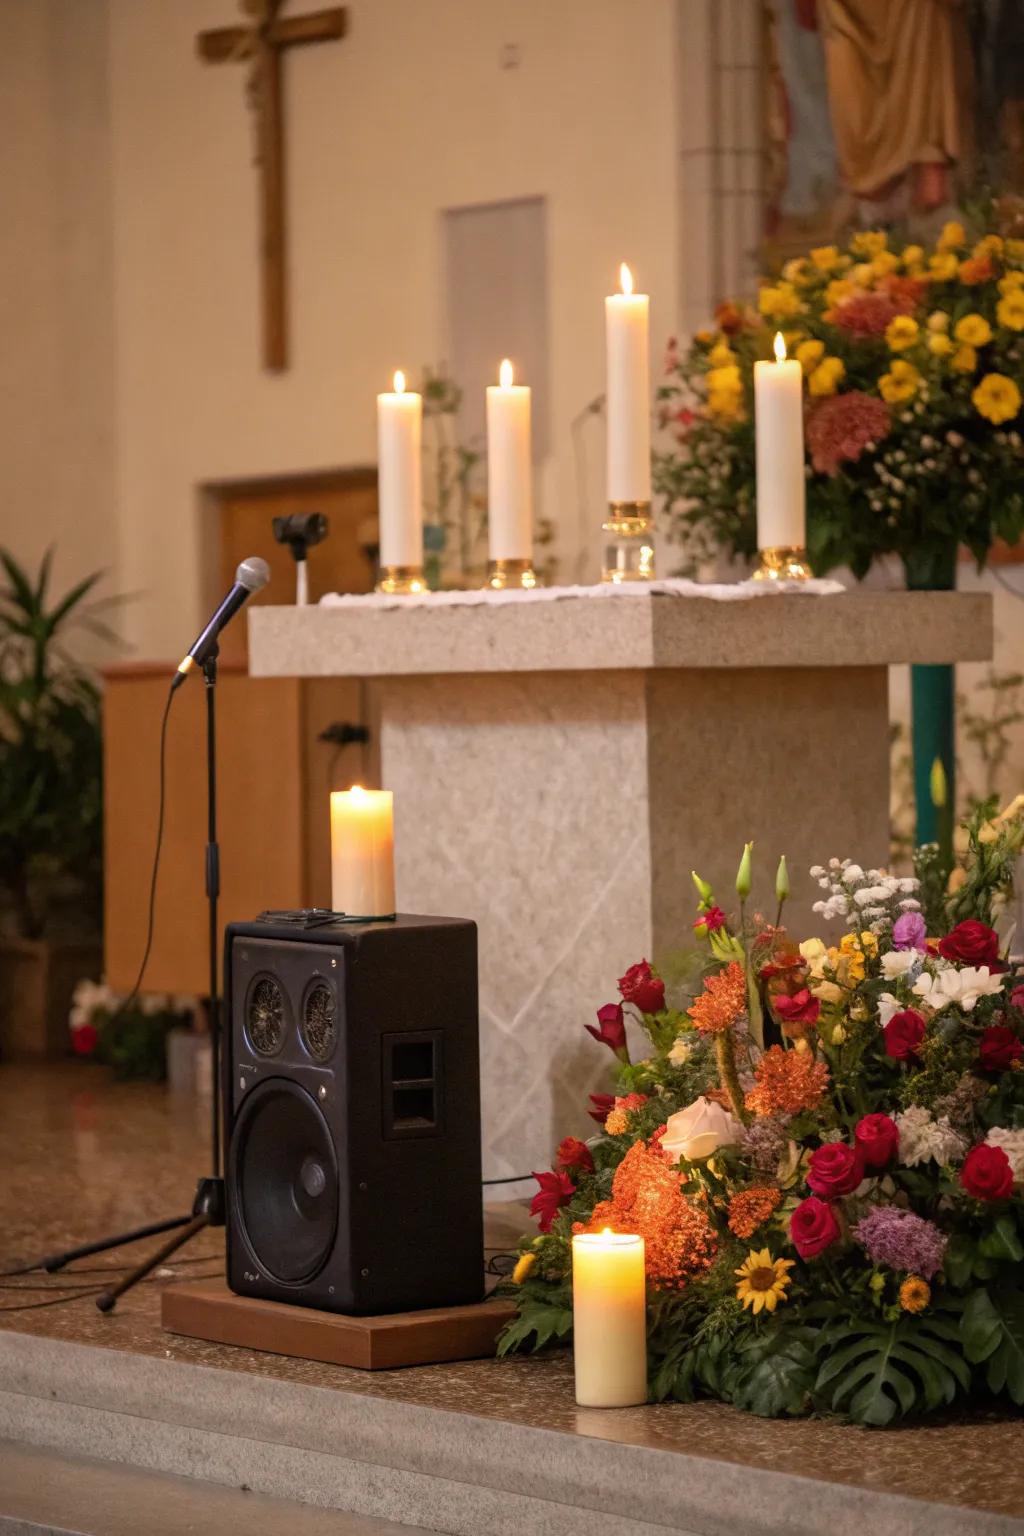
400 486
609 1319
628 394
781 485
362 852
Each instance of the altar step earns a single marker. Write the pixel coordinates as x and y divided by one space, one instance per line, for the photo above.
45 1494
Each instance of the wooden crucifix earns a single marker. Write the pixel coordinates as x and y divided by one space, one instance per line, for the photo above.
260 42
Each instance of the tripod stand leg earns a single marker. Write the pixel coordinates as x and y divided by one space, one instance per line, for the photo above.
57 1261
194 1224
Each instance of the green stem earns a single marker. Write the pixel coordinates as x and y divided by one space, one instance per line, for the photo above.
725 1057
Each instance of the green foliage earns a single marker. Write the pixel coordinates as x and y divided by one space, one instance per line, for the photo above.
773 1372
992 1330
875 1372
993 847
544 1318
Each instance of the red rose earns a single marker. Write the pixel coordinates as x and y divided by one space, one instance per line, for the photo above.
998 1048
971 943
987 1173
813 1227
612 1032
642 988
84 1039
800 1008
835 1169
877 1139
556 1190
573 1153
903 1034
1017 999
602 1105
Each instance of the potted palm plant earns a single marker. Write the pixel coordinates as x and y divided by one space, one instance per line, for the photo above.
51 808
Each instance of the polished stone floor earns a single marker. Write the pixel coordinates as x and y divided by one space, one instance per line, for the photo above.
82 1156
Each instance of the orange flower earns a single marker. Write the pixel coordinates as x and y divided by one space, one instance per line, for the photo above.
647 1197
787 1082
750 1207
723 1001
977 269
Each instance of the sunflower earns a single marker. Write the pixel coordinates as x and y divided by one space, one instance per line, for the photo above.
763 1280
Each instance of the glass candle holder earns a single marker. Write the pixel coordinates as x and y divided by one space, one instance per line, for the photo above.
628 546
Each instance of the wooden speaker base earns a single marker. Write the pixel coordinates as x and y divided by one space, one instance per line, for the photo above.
208 1310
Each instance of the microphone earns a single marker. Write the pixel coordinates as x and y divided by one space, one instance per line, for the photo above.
251 575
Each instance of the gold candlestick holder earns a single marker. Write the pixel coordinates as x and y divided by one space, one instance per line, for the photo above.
628 542
506 575
783 562
401 580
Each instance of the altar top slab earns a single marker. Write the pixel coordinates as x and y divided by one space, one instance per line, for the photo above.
579 633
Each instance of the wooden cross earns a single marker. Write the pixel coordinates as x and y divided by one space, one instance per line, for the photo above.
261 42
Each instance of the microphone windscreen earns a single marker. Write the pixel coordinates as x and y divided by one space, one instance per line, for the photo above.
253 573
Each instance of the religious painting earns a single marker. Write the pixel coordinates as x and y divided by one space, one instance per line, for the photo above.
888 112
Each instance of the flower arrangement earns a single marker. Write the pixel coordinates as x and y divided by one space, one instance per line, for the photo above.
131 1040
823 1149
913 361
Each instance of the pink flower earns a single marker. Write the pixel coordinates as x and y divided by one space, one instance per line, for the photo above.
813 1227
642 988
710 921
801 1008
841 427
868 314
556 1190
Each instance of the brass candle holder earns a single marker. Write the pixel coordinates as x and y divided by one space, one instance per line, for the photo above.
628 542
401 580
783 562
507 575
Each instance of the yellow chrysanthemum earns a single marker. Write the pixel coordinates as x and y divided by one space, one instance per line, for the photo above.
938 320
796 271
763 1281
869 242
973 331
901 333
997 398
617 1123
913 255
862 274
839 288
989 245
826 258
952 236
869 942
943 267
721 355
725 392
524 1264
940 345
1010 310
779 301
884 263
1011 282
826 378
964 360
809 354
1015 250
915 1294
900 384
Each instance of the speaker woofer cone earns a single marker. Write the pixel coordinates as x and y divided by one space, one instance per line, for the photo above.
284 1178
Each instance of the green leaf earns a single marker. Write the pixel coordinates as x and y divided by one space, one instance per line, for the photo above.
992 1331
886 1371
1002 1241
775 1372
958 1264
541 1321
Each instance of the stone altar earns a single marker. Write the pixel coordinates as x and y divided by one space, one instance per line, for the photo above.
561 764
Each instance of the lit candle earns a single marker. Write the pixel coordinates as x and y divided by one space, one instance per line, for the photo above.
399 473
779 409
509 470
609 1319
362 852
628 393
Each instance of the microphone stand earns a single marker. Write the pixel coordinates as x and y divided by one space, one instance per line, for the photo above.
209 1205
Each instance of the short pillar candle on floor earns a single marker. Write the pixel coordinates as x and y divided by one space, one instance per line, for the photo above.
609 1319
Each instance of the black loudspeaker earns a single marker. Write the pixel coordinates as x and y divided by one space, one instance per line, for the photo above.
352 1113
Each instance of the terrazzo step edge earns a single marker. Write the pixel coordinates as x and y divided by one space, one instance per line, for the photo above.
417 1465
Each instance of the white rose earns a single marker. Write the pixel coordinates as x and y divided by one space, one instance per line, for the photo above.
898 962
699 1130
680 1053
887 1006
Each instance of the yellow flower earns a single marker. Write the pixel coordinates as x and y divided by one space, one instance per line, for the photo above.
952 236
617 1123
826 258
809 354
884 263
973 330
1010 310
869 242
938 320
725 391
795 271
941 345
913 255
524 1264
851 959
943 267
779 302
997 398
838 1034
705 338
862 274
989 245
1015 250
1012 282
763 1281
915 1294
721 355
869 942
826 377
964 360
901 383
901 333
839 288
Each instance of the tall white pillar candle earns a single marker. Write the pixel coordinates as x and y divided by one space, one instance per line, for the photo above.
781 486
609 1319
399 472
626 317
509 469
362 852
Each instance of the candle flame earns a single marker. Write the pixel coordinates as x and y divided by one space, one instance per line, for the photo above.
607 1232
625 279
780 347
399 382
357 791
505 374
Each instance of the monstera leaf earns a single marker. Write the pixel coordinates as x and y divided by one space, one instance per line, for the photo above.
774 1373
875 1372
992 1330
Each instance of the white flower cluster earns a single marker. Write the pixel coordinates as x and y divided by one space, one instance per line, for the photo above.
1012 1143
923 1139
865 898
963 987
92 997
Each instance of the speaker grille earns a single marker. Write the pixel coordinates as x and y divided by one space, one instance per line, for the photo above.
319 1021
264 1016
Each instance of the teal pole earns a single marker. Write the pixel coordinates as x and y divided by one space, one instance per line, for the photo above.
933 708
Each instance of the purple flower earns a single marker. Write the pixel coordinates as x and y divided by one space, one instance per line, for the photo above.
900 1240
909 931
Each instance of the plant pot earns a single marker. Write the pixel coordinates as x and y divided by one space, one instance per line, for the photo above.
37 979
